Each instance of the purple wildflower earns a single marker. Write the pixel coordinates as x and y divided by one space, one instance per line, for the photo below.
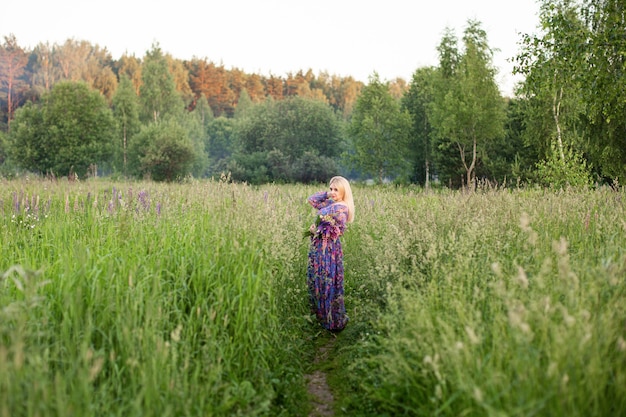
144 200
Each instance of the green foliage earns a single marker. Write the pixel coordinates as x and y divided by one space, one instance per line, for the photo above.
162 151
416 101
71 131
3 147
511 158
574 82
203 110
158 96
569 171
125 107
312 168
193 124
467 112
244 104
379 130
604 85
275 136
248 167
220 142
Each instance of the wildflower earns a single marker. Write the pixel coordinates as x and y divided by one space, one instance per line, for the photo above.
326 227
144 200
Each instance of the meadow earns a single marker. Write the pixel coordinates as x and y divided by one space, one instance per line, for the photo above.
189 299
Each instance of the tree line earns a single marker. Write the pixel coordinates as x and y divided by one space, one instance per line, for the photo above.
73 110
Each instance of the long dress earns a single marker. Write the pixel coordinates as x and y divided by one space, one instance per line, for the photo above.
325 266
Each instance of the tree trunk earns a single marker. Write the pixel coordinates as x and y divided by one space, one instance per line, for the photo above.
556 111
471 171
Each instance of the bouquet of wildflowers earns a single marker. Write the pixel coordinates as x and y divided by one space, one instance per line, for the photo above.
326 228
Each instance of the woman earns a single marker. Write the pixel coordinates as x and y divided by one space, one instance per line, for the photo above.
335 208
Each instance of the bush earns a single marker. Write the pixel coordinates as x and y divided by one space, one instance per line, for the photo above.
557 172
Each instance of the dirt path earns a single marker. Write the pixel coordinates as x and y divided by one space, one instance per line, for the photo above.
321 397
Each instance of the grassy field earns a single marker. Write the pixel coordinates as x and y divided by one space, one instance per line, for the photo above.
144 299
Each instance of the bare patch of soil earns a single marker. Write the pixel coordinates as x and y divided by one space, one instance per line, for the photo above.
321 397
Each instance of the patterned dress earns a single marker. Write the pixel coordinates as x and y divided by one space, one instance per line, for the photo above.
325 267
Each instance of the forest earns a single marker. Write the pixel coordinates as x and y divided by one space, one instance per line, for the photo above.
73 110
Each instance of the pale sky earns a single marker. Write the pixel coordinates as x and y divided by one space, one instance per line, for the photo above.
342 37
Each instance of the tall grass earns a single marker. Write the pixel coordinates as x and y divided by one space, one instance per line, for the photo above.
145 299
491 304
129 299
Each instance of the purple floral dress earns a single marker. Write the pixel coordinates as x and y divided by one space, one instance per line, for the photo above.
325 267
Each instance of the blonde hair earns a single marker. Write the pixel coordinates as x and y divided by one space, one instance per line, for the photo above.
343 185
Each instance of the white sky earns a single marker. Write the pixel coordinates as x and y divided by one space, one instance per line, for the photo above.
343 37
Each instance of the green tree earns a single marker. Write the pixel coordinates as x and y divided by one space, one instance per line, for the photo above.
552 65
604 86
243 104
416 101
311 167
204 111
158 96
162 151
197 133
379 130
3 151
219 143
510 158
70 131
470 112
293 126
126 112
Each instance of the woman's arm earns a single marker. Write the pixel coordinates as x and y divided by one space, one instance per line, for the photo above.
320 200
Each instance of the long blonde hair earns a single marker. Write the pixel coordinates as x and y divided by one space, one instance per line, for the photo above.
344 185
